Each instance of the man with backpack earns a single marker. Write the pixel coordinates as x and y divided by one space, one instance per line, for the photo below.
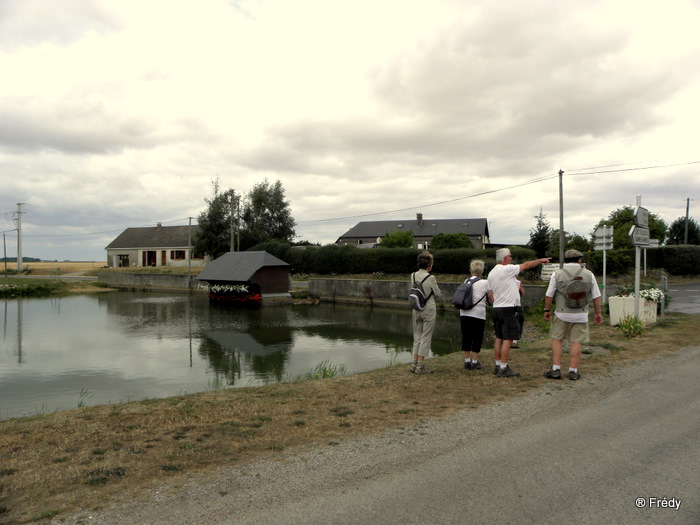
572 287
424 311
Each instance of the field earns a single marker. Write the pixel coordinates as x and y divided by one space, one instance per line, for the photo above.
57 267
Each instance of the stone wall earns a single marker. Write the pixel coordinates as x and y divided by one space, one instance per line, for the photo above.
393 293
145 281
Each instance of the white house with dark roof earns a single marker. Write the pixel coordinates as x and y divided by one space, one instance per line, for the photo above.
370 233
153 246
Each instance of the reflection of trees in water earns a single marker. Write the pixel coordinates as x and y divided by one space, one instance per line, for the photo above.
225 364
264 351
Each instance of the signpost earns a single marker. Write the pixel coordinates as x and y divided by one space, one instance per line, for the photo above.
603 241
639 236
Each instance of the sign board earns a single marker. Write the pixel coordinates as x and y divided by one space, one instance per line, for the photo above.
548 270
639 236
654 243
603 238
641 217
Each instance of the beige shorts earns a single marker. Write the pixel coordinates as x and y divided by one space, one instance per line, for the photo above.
573 332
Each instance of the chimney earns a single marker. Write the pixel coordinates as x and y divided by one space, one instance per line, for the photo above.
419 219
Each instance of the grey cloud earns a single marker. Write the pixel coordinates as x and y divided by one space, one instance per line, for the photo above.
512 85
29 22
77 126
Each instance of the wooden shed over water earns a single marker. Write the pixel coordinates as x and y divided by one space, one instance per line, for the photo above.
247 278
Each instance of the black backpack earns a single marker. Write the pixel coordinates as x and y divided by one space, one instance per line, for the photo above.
416 296
464 295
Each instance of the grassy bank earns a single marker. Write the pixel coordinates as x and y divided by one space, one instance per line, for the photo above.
84 458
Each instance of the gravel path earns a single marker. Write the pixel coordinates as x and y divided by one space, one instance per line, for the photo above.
241 495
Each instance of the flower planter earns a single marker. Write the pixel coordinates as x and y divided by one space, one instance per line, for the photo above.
621 307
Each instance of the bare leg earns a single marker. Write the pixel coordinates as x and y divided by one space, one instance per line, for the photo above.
557 349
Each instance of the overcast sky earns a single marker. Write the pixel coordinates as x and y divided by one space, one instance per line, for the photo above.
116 114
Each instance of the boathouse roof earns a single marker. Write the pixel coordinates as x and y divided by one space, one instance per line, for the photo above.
239 266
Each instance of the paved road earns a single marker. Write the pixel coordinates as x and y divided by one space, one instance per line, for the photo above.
684 298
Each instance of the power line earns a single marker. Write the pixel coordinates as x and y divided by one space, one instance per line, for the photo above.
572 172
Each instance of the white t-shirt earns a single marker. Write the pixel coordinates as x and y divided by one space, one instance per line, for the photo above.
504 285
479 289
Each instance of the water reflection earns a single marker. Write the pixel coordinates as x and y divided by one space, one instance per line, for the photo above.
124 346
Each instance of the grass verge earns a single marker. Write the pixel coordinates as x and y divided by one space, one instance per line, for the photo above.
82 459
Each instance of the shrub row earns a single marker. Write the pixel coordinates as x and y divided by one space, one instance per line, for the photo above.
341 259
676 260
346 259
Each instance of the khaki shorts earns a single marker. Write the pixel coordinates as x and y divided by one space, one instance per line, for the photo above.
574 332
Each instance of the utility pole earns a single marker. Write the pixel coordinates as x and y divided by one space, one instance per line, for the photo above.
687 209
232 231
561 219
19 235
189 255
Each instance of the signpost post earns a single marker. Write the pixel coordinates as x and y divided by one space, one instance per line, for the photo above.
639 236
603 241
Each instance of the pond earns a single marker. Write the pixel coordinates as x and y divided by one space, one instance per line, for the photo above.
60 353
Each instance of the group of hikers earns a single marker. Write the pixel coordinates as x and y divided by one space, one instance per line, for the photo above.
571 288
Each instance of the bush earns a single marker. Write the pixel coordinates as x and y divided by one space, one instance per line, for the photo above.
681 260
617 262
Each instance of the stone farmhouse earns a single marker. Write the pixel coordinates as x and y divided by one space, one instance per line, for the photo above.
153 246
369 234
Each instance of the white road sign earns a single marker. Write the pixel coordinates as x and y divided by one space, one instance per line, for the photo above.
639 236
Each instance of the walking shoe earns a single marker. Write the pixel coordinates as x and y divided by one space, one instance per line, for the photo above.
508 372
476 365
552 374
467 366
413 369
423 370
515 344
574 376
496 369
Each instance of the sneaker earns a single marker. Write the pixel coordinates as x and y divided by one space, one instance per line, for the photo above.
467 366
413 369
574 376
507 372
476 365
552 374
515 344
496 369
423 370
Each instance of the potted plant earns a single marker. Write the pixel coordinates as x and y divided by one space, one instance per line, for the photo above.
622 305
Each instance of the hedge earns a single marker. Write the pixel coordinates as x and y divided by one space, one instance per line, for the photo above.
335 259
675 259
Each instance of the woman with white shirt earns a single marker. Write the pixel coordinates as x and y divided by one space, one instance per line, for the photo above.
473 321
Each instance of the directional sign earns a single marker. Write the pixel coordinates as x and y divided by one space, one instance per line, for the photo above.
603 238
654 243
641 217
639 236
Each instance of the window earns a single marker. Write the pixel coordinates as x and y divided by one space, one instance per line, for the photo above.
177 255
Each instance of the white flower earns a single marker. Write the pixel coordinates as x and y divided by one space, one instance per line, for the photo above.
653 294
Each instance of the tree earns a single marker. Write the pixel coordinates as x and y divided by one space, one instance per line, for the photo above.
676 232
622 221
397 239
266 216
446 241
213 237
572 241
540 236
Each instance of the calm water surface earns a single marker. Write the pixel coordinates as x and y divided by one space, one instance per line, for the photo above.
59 353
